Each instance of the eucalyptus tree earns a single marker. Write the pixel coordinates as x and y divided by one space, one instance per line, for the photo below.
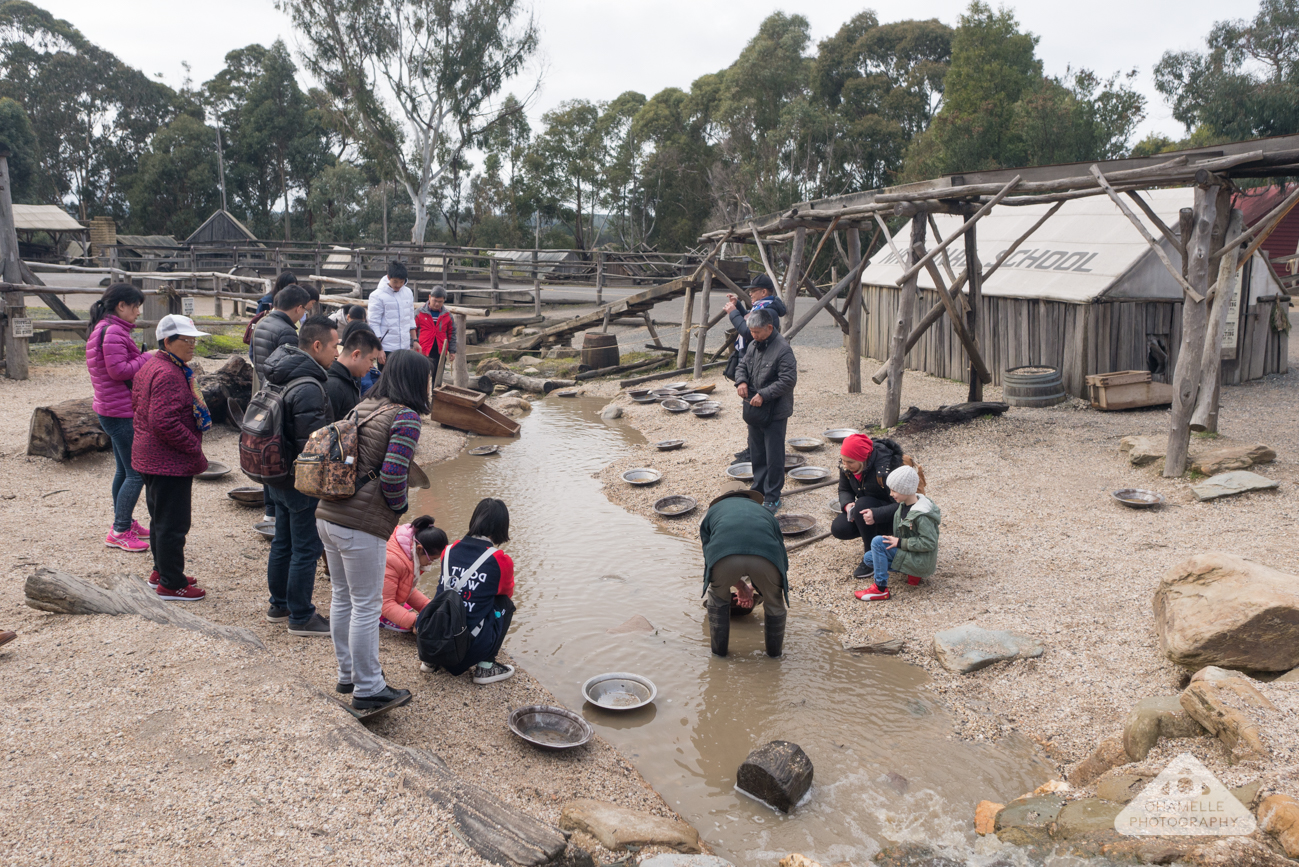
420 79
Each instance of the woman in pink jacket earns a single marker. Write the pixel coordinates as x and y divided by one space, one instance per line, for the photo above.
416 542
114 360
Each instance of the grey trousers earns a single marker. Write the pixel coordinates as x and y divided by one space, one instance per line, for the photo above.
767 452
760 571
356 563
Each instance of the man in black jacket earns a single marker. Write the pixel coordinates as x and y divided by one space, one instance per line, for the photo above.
360 350
277 328
291 567
765 382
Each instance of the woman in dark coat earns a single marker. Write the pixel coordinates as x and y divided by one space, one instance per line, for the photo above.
865 507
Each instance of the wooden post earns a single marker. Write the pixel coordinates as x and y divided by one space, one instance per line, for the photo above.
975 271
1186 377
461 366
703 328
906 312
217 308
1205 417
494 274
599 277
687 318
794 272
854 315
446 269
649 326
536 286
16 358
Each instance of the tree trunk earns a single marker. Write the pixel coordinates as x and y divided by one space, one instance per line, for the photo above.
66 430
1205 417
233 380
1186 377
528 383
974 269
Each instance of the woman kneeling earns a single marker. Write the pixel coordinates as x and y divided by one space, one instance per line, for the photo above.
412 548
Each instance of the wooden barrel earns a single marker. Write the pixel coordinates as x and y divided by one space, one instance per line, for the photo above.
1032 386
600 350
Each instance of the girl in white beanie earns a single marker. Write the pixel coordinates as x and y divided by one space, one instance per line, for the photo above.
913 549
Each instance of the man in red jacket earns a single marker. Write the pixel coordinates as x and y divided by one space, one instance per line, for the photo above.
437 329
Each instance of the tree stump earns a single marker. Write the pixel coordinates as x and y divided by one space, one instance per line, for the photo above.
66 430
528 383
233 380
778 773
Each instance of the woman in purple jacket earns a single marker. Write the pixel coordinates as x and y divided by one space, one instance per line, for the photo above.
114 360
170 418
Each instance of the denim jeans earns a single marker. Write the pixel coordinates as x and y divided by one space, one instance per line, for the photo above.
126 481
881 558
291 568
356 564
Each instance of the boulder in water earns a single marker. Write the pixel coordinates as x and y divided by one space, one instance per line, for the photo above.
778 773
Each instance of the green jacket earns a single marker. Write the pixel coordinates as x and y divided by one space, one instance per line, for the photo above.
737 525
917 539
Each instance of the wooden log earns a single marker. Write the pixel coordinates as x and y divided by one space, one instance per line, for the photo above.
615 370
959 413
233 380
665 374
61 593
66 430
906 312
533 384
703 331
935 313
816 292
803 489
778 773
853 355
803 543
1205 417
1186 376
794 270
687 317
1141 228
1179 244
740 292
807 273
825 300
965 227
460 365
974 269
762 253
938 236
14 306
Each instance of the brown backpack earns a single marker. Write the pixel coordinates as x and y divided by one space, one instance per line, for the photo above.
326 468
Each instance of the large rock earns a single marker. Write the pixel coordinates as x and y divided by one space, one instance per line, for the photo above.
1225 460
1224 610
985 817
1154 718
611 412
878 642
1087 817
778 773
1229 484
1142 451
636 624
490 364
619 827
1121 788
1279 816
969 648
1028 821
1224 707
672 859
1109 754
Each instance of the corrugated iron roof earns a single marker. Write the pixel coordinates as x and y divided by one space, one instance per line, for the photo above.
44 218
1087 250
1284 241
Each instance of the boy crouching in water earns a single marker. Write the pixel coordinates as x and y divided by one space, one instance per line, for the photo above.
913 549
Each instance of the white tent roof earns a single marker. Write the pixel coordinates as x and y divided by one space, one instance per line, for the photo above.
1088 249
44 218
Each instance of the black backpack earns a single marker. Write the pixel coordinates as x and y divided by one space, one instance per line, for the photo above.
442 631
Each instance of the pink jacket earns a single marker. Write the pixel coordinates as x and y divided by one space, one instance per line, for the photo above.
399 579
167 439
112 368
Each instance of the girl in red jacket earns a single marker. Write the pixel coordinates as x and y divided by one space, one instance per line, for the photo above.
418 542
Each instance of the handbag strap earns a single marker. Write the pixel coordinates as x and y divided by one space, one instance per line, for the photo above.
472 569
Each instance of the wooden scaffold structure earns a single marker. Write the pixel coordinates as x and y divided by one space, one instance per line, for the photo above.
1210 238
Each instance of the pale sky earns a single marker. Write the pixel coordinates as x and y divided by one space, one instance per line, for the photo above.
597 49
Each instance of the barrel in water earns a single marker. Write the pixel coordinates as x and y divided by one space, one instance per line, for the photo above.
1032 386
600 350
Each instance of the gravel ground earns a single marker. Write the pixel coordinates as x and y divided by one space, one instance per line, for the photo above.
110 722
1030 541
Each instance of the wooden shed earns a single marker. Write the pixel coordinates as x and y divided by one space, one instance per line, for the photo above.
49 220
1283 241
223 228
1085 294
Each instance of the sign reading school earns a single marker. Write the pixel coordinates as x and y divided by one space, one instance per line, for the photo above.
1185 800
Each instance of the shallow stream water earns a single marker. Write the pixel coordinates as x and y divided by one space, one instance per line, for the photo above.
887 765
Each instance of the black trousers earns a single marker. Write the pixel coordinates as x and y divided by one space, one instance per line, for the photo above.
767 453
168 499
857 528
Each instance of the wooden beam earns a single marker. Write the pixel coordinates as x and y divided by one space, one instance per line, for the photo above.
687 318
1178 243
11 271
938 236
1205 417
762 253
815 291
974 269
794 269
703 332
1140 227
742 294
1276 214
887 237
460 367
812 262
649 326
853 355
906 312
958 325
826 299
965 227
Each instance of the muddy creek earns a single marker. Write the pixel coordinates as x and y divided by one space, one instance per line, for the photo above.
888 767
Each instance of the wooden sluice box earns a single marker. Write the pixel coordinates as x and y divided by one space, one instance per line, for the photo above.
1127 389
467 410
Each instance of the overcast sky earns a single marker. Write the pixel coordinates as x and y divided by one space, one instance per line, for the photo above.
597 49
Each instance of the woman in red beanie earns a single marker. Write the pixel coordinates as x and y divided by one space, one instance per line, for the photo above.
866 509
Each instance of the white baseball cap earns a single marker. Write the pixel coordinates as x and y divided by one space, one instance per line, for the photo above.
175 325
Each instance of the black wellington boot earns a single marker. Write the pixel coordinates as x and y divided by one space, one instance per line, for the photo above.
774 628
719 626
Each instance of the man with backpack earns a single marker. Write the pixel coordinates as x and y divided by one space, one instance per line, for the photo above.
360 350
277 328
296 375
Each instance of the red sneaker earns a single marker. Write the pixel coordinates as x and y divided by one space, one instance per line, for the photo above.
189 594
914 580
154 581
873 594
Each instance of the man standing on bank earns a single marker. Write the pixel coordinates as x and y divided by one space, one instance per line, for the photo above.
391 312
765 382
742 539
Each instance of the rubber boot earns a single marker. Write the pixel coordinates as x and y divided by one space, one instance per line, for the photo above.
719 626
774 628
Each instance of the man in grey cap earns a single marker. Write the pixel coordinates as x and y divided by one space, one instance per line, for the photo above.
765 383
742 540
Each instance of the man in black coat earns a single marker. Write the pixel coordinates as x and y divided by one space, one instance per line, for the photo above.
360 350
291 567
765 382
275 329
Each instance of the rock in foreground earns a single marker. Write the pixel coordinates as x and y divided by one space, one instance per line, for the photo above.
1230 484
619 827
969 648
1224 610
777 773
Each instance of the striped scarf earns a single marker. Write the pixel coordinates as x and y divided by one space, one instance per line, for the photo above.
202 417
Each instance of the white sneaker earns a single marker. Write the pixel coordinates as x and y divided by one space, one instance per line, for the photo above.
496 673
426 668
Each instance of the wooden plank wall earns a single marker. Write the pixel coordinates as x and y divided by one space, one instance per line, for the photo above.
1080 339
